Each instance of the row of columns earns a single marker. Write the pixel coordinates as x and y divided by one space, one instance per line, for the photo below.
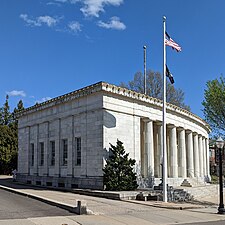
187 151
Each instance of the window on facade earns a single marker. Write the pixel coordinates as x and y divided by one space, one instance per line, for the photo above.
52 149
41 150
78 150
64 152
32 154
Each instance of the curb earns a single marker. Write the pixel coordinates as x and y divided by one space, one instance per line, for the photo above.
159 205
81 206
79 209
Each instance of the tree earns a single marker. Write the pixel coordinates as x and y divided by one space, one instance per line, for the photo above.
118 172
5 113
8 149
154 88
19 108
8 137
214 104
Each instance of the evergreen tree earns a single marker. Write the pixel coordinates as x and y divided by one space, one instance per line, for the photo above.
118 172
6 115
19 108
9 137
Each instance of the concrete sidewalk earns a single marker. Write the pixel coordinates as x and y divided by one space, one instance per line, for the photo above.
107 211
69 200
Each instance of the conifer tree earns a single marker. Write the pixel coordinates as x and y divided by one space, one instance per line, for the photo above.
8 137
6 112
118 172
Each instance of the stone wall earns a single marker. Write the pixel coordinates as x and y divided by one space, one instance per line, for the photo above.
100 114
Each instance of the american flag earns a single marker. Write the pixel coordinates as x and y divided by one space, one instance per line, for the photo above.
170 42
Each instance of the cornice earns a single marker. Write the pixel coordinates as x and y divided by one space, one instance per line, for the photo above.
62 99
153 101
103 86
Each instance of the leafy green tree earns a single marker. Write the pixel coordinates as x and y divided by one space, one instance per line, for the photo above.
214 105
154 88
9 137
118 172
8 149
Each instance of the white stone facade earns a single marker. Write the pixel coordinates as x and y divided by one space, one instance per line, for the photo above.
64 142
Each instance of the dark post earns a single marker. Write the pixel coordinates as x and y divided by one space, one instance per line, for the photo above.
221 209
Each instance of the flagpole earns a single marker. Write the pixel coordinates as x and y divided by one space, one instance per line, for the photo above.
144 47
164 116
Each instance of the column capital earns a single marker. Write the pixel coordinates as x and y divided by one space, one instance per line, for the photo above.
146 119
158 123
170 125
180 128
189 131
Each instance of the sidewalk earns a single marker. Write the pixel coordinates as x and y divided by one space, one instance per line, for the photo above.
68 200
107 211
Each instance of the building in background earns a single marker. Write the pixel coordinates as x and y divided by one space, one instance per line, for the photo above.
65 141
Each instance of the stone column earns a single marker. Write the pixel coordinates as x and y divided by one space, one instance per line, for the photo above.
196 156
200 156
173 152
168 152
190 158
158 149
182 153
204 157
149 149
207 160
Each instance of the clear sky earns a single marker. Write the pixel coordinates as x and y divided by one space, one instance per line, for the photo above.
51 47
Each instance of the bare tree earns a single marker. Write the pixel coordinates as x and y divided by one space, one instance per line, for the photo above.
154 88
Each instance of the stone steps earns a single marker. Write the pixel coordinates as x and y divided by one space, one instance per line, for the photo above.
199 193
193 182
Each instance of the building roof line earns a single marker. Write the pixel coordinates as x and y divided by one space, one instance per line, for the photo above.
104 86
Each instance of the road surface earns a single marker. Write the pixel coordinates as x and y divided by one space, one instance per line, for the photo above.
13 206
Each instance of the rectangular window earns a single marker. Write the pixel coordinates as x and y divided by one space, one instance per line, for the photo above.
41 150
32 154
64 152
78 150
52 149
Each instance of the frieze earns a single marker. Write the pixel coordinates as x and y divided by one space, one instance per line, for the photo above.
103 86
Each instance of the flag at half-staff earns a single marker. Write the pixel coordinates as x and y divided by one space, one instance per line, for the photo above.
170 42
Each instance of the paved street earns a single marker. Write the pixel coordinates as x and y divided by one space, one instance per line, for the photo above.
22 210
14 206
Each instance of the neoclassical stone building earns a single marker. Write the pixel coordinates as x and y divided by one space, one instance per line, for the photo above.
64 142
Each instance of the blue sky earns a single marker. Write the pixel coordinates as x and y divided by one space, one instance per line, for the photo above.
51 47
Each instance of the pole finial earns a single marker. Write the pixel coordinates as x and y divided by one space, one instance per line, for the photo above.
144 47
164 18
